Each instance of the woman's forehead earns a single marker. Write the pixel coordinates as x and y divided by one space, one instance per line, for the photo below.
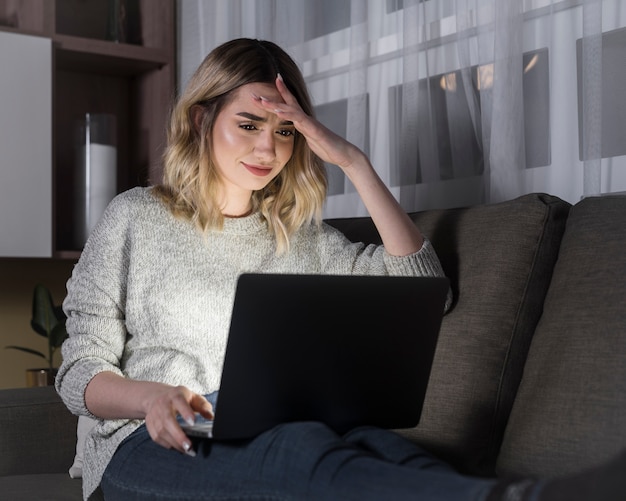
258 89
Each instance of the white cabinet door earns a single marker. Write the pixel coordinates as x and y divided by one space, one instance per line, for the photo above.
25 146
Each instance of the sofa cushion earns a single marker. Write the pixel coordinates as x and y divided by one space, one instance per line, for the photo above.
51 486
570 411
38 430
499 259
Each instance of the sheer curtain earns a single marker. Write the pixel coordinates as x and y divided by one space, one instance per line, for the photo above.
456 102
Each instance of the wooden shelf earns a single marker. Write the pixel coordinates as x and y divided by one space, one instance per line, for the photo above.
133 81
101 56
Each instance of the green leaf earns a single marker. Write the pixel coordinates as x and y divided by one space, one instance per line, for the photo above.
59 313
58 335
44 318
27 350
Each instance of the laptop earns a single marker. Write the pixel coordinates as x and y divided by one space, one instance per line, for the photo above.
343 350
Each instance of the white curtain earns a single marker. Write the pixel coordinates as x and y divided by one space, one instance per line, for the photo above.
457 102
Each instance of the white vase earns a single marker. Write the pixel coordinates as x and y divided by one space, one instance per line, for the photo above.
95 174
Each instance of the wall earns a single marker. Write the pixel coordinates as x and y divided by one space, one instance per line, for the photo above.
18 278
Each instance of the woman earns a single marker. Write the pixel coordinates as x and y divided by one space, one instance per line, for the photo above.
149 302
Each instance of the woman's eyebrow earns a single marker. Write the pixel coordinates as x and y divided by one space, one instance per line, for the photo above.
255 118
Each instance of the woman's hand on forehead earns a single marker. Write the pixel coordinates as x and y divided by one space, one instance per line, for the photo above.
327 145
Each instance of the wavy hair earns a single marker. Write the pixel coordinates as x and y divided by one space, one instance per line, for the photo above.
190 180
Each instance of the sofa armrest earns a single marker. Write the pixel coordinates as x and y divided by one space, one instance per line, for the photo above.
37 432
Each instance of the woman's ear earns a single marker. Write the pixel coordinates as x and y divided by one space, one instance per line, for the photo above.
197 115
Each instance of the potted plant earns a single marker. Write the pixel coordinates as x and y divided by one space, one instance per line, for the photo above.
48 321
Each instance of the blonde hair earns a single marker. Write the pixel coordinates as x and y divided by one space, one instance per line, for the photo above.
190 180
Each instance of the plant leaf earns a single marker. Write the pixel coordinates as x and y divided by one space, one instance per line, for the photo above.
58 335
27 350
44 318
59 313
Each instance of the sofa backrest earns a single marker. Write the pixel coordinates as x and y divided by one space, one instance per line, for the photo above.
499 258
570 411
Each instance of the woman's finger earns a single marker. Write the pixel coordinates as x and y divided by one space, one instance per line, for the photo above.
200 404
284 92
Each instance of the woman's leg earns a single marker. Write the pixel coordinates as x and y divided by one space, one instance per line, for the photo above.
392 447
143 470
395 468
295 461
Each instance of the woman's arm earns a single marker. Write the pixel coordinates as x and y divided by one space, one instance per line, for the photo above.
111 396
399 234
90 379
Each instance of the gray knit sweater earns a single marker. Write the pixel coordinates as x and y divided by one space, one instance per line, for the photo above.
151 298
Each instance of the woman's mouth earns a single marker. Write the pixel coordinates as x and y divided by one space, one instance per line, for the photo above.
258 170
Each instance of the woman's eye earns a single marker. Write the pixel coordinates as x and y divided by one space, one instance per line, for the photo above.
247 127
285 132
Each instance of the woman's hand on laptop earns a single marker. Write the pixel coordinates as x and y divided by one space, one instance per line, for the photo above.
111 396
163 410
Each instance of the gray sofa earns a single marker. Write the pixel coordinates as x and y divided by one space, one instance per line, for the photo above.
530 371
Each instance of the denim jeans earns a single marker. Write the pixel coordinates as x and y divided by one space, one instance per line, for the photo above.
294 461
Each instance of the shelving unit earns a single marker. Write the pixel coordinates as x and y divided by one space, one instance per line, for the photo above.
90 74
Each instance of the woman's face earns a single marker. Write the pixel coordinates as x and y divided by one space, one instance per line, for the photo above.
250 145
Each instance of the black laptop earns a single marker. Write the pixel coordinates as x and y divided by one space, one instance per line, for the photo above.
344 350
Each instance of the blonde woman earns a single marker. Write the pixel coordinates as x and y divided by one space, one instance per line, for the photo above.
149 301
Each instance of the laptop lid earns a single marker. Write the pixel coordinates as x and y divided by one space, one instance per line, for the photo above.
344 350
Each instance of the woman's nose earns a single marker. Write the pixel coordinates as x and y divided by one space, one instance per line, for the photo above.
265 146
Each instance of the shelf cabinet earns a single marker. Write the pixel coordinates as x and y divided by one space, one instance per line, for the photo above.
132 78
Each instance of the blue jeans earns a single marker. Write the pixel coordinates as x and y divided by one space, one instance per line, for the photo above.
293 461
